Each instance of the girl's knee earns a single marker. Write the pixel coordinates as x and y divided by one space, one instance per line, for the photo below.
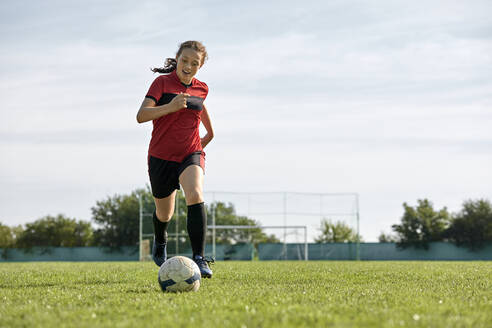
164 207
163 216
194 196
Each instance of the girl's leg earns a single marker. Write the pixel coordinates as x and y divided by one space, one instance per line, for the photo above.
192 182
164 209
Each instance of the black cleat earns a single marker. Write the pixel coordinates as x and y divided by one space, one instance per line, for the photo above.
159 253
202 263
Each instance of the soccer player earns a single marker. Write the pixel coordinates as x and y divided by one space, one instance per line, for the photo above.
174 103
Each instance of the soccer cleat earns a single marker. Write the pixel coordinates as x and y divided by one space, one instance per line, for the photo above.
159 253
202 263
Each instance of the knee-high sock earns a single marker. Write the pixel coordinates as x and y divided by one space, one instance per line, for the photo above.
160 229
197 227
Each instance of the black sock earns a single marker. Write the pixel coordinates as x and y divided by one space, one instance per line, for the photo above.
160 228
197 227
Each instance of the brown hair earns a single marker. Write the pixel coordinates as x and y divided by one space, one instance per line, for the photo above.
171 63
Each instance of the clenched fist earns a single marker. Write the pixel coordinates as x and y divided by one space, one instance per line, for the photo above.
179 102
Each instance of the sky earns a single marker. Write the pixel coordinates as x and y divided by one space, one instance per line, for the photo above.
391 100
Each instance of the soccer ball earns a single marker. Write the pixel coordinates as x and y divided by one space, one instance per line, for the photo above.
179 274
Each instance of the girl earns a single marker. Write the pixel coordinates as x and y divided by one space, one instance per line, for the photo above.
174 103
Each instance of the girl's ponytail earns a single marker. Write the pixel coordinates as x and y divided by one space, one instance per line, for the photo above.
169 65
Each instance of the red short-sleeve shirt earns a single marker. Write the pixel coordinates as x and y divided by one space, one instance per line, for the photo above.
176 135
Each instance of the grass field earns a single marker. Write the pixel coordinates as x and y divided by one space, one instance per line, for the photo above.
250 294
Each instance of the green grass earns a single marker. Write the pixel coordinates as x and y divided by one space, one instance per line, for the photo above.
250 294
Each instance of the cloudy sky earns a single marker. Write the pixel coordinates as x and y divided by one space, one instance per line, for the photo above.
389 99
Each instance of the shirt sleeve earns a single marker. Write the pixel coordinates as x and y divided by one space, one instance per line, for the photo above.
155 90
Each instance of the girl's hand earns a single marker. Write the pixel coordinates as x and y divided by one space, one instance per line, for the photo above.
208 126
179 102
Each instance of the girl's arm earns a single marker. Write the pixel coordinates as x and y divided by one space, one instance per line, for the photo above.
208 126
149 111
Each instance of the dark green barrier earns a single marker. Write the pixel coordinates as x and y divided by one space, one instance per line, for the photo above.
281 251
69 254
439 251
333 251
238 252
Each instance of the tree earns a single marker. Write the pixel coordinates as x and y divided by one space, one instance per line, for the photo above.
117 222
472 226
387 238
9 235
56 231
6 237
225 214
338 232
421 225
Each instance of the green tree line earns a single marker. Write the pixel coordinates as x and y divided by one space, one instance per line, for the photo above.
420 225
336 232
115 223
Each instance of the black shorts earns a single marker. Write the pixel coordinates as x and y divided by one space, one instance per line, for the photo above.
164 175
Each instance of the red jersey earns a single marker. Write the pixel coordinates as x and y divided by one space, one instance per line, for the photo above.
176 135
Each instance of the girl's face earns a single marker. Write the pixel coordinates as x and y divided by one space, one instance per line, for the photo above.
189 62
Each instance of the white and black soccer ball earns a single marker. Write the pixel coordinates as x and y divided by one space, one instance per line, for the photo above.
179 274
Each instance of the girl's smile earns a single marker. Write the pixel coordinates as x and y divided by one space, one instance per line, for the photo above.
188 64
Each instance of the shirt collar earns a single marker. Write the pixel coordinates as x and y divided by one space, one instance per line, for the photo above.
176 77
